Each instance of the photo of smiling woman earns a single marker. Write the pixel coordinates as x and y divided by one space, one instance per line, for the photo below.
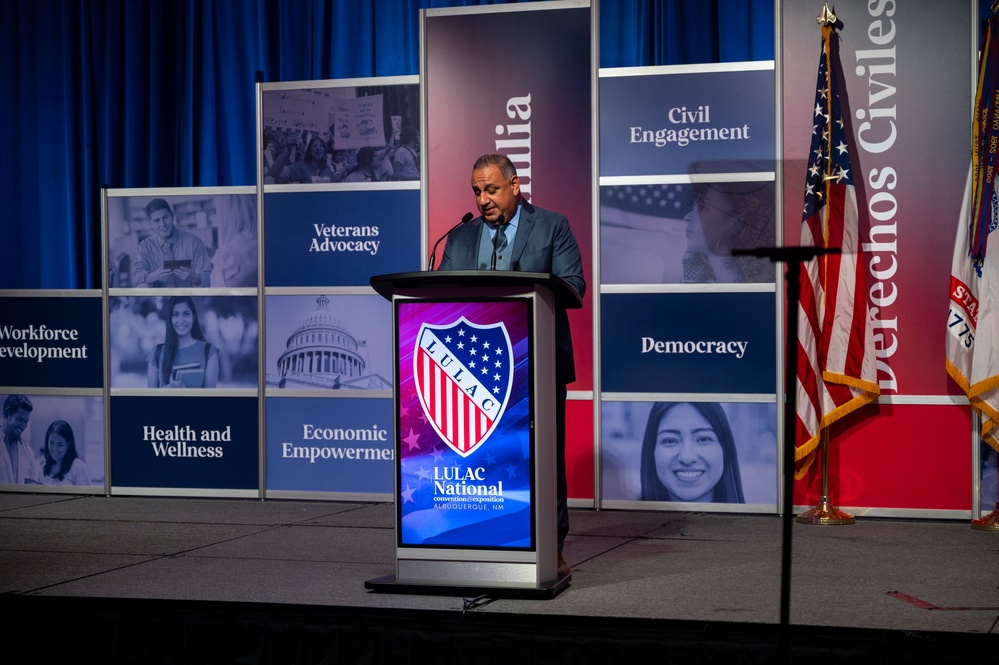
62 464
184 359
720 455
689 455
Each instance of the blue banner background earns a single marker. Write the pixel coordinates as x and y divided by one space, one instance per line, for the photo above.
81 314
289 233
735 99
286 419
627 318
135 464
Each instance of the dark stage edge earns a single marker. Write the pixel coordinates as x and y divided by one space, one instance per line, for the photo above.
109 630
389 584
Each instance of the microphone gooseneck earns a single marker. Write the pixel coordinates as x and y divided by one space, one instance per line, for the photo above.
464 220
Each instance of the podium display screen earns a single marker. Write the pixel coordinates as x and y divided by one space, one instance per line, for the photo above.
465 446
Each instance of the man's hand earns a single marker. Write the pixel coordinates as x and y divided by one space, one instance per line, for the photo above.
187 274
160 275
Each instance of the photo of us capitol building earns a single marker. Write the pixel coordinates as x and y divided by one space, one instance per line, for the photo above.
322 353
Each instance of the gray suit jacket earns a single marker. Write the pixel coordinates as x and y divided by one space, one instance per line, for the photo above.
544 243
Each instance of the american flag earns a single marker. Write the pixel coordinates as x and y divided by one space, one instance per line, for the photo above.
836 366
464 373
972 326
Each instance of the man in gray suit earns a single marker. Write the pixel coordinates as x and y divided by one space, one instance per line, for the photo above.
531 239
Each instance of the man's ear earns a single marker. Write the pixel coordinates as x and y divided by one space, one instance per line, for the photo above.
515 183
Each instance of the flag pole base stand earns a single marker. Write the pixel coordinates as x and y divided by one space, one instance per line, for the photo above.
825 514
989 522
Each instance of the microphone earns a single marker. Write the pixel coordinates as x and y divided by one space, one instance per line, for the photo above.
499 223
464 220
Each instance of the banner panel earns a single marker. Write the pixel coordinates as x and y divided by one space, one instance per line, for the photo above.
146 353
339 342
913 457
687 160
579 461
908 70
689 452
320 132
341 238
466 449
49 341
336 212
685 233
688 343
184 442
60 441
330 445
670 121
535 108
185 238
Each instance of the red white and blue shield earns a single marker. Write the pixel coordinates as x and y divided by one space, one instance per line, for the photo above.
464 373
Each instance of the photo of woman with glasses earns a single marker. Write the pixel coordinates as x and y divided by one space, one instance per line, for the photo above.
685 233
713 224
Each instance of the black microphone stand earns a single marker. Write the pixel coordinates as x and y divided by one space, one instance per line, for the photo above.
793 257
433 254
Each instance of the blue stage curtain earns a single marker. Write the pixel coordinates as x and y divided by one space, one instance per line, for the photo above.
160 93
681 32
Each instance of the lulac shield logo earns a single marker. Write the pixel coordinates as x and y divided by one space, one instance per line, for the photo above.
464 373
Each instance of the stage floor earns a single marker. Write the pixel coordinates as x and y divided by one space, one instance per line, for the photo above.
891 575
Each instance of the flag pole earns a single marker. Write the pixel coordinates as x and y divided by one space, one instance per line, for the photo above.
974 270
988 522
825 514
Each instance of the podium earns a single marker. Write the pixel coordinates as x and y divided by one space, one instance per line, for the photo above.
474 402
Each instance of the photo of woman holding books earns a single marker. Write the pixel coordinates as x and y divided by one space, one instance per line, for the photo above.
184 359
